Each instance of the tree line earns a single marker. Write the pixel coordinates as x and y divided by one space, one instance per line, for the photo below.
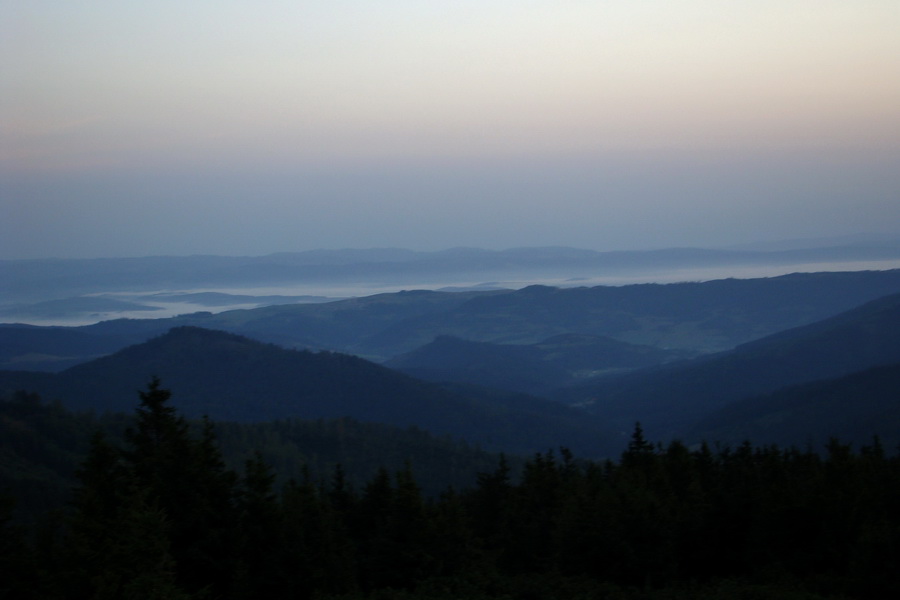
161 516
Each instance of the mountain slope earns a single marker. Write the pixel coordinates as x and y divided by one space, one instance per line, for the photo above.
43 445
670 399
229 377
853 408
530 368
31 348
699 317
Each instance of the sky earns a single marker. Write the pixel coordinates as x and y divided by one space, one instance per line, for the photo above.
244 128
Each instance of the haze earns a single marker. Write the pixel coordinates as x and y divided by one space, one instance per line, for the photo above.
236 128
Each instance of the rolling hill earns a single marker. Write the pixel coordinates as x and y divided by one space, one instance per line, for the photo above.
854 408
44 444
233 378
669 400
530 368
699 317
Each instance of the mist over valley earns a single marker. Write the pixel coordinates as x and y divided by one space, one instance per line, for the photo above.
85 291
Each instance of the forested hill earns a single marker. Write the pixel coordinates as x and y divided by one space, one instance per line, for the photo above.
701 317
43 444
697 317
670 399
532 368
160 515
230 377
854 408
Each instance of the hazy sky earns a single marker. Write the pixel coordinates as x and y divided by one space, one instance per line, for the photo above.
233 127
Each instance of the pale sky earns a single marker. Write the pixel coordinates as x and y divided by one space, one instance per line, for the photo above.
233 127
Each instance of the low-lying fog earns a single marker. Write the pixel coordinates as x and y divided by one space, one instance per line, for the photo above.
88 309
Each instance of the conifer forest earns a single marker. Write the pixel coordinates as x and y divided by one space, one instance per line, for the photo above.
161 516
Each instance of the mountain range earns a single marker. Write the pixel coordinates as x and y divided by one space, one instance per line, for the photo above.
693 318
101 274
512 370
84 291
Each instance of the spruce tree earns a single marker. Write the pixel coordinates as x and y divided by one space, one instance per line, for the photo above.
166 503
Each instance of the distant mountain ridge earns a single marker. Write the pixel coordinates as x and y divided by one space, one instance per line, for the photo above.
698 317
49 279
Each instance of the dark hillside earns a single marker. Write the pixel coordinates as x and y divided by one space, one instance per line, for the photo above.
700 317
44 443
32 348
229 377
450 359
854 408
531 368
670 399
663 522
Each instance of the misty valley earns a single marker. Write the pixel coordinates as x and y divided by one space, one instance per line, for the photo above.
716 438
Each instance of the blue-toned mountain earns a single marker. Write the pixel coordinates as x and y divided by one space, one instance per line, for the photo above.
854 408
669 400
532 368
694 317
233 378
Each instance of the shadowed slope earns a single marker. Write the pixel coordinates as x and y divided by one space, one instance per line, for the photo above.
670 399
229 377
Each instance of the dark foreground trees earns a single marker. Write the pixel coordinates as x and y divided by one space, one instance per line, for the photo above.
162 517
